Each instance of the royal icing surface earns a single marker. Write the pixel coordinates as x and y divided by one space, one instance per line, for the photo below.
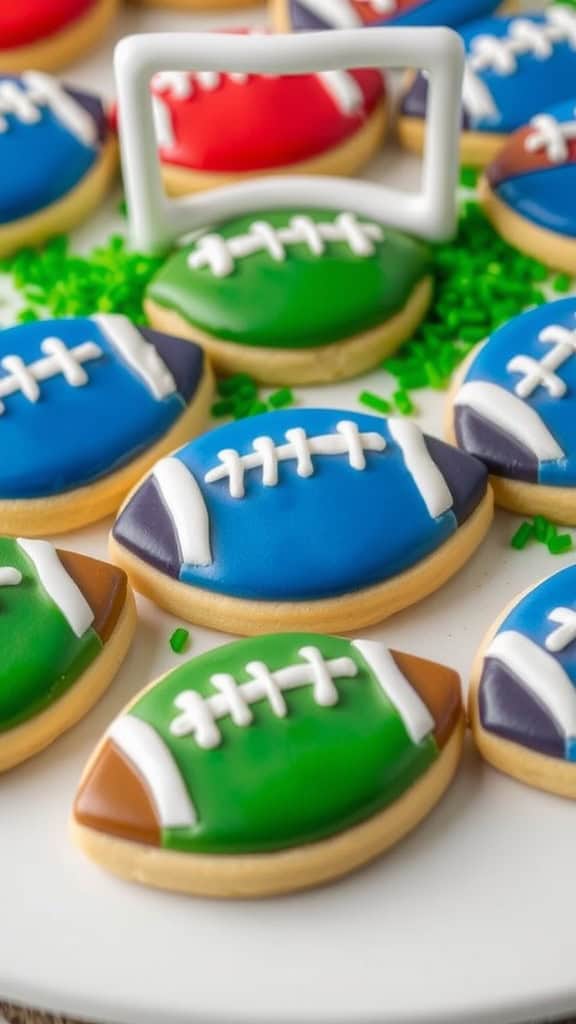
325 276
50 138
31 21
515 68
516 407
527 691
325 502
308 15
270 121
81 397
535 173
311 734
47 634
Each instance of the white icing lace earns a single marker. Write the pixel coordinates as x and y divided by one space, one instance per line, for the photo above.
266 455
9 576
542 372
551 135
199 715
561 638
24 98
220 254
524 37
26 379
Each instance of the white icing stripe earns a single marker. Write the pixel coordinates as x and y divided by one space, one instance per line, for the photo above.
417 719
565 635
540 673
551 135
337 13
344 90
9 576
147 752
219 254
347 440
428 479
59 586
512 415
140 355
59 360
23 99
199 715
187 508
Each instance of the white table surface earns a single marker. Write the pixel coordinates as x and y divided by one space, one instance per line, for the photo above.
470 919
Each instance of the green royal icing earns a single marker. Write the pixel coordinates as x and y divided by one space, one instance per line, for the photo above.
281 782
41 656
303 301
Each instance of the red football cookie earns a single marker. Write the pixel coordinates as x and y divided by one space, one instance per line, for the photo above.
214 128
48 34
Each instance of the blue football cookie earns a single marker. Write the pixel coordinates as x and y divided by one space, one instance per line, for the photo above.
528 191
57 158
311 15
86 406
523 695
309 518
514 407
515 67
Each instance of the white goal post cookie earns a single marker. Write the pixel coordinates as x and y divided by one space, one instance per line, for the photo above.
156 221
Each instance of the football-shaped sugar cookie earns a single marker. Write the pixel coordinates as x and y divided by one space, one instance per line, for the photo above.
57 158
294 297
311 15
308 518
270 765
213 129
48 34
528 191
66 622
514 408
515 68
86 406
523 695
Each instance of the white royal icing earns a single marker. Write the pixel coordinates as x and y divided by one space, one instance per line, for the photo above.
428 479
551 135
139 354
417 719
187 509
347 440
512 415
219 254
199 715
147 752
542 372
59 360
565 634
9 576
59 586
25 98
540 673
500 54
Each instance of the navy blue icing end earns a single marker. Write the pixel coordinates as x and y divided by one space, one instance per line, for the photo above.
145 528
508 710
184 359
500 453
466 477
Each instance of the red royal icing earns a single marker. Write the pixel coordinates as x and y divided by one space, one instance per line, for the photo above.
371 12
515 159
27 21
261 123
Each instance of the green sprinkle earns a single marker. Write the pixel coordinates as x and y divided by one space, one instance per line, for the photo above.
560 544
562 283
403 402
239 381
541 528
523 534
469 177
282 398
179 640
222 408
372 401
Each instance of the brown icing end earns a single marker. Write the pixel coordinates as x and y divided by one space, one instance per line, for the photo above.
113 798
104 586
439 687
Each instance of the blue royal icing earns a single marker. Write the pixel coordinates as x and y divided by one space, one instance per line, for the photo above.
427 12
49 140
527 63
67 420
527 690
335 530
